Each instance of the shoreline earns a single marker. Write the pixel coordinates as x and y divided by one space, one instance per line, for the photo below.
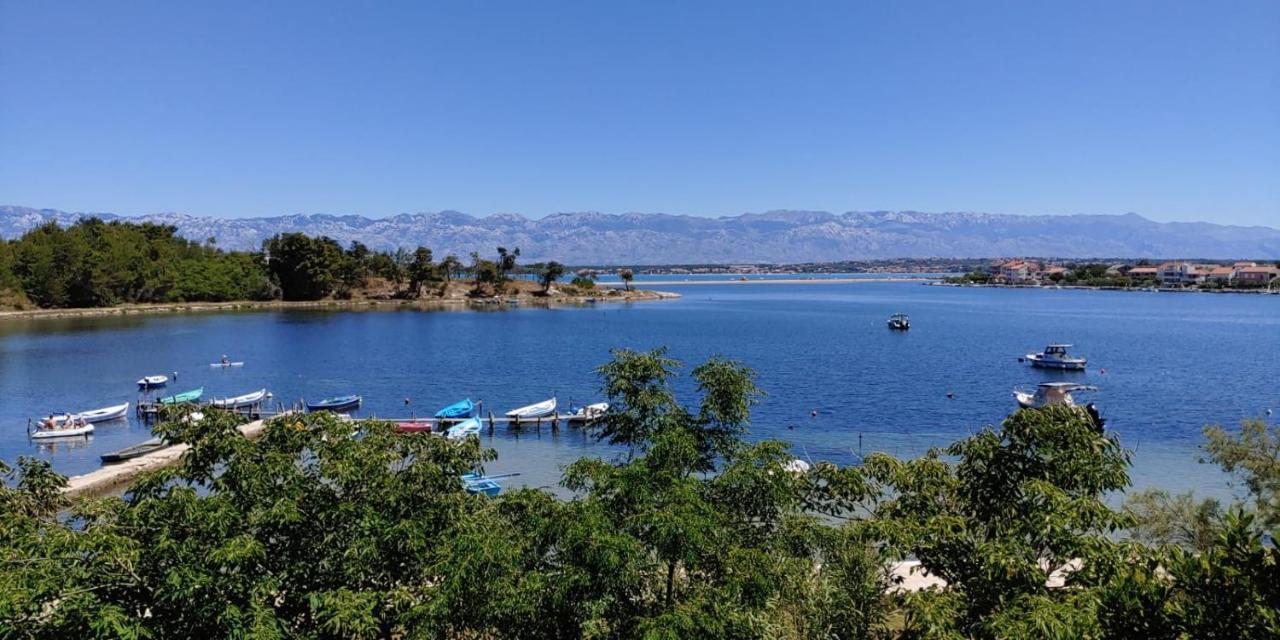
681 283
1085 287
446 304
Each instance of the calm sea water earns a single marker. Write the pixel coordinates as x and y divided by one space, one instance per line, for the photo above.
1173 363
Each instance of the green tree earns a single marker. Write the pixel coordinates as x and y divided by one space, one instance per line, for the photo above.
421 270
304 267
550 273
449 266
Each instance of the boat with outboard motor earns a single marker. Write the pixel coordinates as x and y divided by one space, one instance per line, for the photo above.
1055 356
899 322
1049 394
587 414
152 382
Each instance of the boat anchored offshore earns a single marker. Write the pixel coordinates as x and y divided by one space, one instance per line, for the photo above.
899 322
151 382
1055 356
1049 394
533 411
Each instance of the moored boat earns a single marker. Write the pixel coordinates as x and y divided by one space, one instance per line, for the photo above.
468 427
533 411
105 414
459 410
899 322
587 414
1055 356
481 484
413 427
128 453
97 415
224 365
335 404
152 382
1049 394
240 402
183 398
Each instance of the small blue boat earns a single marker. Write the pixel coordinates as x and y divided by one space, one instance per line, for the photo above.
337 404
469 427
476 483
458 411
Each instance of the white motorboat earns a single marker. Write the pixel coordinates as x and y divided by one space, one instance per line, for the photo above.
533 411
240 402
587 414
1049 394
151 382
1055 356
64 427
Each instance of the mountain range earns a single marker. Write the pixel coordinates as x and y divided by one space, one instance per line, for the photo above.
772 237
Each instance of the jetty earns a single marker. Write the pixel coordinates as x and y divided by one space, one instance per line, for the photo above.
114 476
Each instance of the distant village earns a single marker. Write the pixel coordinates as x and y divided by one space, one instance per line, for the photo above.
1172 274
1181 274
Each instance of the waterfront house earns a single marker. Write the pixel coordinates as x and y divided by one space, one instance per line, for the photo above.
1221 274
1018 271
1180 273
1144 273
1256 276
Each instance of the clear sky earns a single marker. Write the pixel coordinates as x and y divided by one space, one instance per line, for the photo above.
1168 109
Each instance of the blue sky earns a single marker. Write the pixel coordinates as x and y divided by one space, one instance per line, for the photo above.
1168 109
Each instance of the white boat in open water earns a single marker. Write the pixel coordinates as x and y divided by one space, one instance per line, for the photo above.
1049 394
1055 356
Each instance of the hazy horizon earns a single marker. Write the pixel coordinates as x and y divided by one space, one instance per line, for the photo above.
709 109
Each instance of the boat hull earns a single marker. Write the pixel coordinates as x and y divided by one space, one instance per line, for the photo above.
533 411
458 411
137 450
1060 365
335 404
106 414
45 434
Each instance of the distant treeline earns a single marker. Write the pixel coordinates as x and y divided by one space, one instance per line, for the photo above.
97 264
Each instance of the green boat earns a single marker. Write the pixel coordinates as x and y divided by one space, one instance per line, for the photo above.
184 397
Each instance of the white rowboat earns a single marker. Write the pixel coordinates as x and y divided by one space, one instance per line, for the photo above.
152 381
222 365
104 414
238 402
538 410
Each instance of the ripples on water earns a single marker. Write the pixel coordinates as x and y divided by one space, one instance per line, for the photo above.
1173 363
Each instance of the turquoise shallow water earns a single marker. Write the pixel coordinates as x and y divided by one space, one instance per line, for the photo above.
1173 363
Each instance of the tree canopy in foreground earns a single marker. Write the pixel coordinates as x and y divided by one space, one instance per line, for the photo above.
692 531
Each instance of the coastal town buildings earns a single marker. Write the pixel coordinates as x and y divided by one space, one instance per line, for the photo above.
1169 274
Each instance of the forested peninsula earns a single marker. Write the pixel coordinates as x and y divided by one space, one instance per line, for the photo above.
98 264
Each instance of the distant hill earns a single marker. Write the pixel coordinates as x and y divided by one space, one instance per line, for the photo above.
776 236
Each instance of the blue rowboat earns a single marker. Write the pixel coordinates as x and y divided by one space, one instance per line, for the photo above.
340 403
468 427
458 410
476 483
